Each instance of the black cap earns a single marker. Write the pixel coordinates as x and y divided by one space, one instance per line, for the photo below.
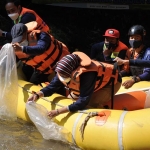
17 32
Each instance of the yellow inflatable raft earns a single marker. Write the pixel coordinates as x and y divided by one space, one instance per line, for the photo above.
126 127
105 129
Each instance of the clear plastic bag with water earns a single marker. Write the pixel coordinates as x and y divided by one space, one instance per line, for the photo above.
47 127
8 83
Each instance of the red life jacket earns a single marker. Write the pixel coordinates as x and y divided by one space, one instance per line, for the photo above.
106 73
45 62
121 46
41 25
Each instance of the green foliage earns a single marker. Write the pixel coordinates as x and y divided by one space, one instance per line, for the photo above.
59 34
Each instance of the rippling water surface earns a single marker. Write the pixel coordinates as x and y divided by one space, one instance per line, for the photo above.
20 135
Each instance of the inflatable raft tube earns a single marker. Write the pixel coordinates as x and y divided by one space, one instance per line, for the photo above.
139 86
113 129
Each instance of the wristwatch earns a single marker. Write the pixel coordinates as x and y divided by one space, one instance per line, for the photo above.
135 79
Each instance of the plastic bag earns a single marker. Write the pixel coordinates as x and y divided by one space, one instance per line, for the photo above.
8 83
147 101
47 128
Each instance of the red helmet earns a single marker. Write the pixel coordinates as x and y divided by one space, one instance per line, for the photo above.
112 33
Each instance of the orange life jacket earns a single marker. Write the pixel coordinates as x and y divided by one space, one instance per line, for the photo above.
41 24
121 46
45 62
106 73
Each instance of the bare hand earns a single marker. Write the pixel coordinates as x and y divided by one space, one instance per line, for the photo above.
34 32
17 47
33 97
53 113
127 84
119 61
107 52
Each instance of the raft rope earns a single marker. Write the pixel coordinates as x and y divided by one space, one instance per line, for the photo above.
82 127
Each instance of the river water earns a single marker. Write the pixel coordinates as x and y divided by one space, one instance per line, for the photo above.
16 134
20 135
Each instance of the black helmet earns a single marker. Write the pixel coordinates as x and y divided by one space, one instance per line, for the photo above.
137 29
